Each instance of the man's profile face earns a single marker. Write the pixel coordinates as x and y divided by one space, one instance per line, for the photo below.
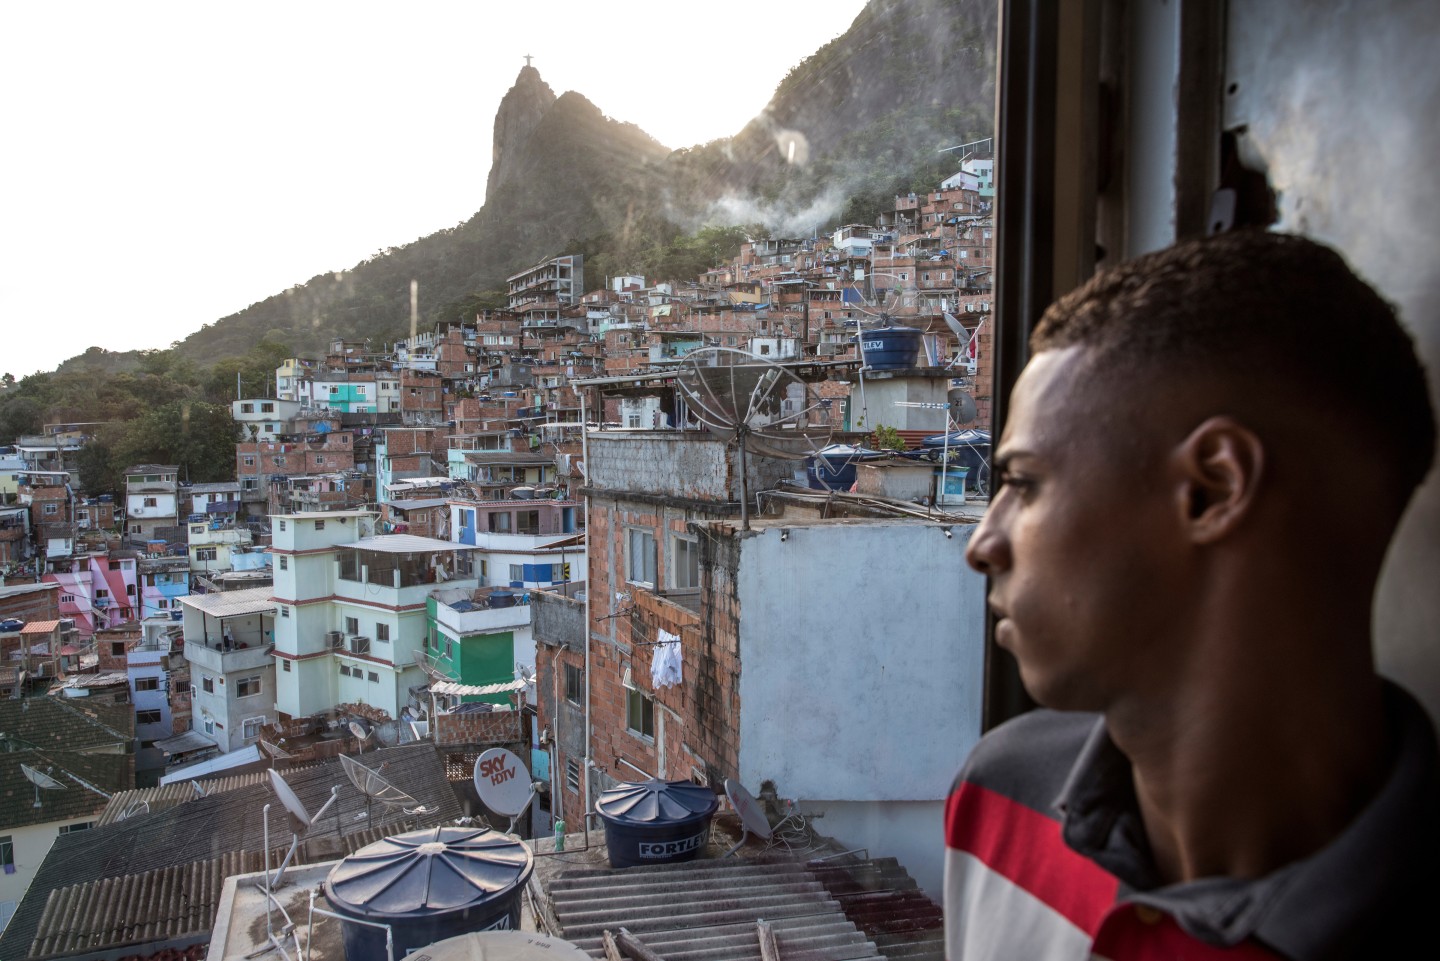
1074 540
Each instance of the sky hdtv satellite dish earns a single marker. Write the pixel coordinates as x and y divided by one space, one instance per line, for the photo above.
41 780
752 818
503 783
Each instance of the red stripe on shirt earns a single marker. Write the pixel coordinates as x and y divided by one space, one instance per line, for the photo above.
1025 846
1127 935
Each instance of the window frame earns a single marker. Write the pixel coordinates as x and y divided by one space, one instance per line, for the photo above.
647 549
242 683
638 702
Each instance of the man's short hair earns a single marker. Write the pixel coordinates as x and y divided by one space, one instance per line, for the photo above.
1261 308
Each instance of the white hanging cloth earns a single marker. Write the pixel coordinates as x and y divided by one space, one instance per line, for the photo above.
665 666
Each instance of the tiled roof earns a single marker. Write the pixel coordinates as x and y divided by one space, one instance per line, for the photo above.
204 828
162 905
39 627
108 772
61 724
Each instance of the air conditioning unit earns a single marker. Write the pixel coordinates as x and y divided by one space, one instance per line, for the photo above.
334 640
826 349
359 644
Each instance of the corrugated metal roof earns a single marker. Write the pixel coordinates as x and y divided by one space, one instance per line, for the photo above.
160 905
169 795
405 544
86 681
233 603
706 909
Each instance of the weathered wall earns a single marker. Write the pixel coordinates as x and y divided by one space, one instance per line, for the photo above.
862 645
684 465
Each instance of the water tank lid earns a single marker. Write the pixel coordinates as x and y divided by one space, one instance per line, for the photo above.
498 945
432 871
656 802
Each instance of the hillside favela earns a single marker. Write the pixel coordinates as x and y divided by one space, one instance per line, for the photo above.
592 570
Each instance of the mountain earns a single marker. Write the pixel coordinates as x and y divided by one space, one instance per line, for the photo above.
862 118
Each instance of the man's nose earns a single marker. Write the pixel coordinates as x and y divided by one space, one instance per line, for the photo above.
989 550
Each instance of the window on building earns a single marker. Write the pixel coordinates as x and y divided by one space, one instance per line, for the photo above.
284 563
640 557
248 460
285 665
205 553
267 408
517 572
352 625
282 525
147 717
52 509
640 714
374 678
207 684
147 683
101 593
284 611
117 648
130 589
247 408
209 725
574 683
527 522
685 562
72 828
7 851
344 670
320 525
572 775
500 522
382 632
67 598
248 686
250 727
449 648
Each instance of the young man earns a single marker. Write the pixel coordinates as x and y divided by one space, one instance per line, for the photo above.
1204 464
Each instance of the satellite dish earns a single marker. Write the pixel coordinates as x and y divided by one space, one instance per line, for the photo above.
752 818
503 783
276 752
135 809
41 780
764 407
375 788
361 734
300 819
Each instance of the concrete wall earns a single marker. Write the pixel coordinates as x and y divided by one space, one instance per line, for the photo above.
862 646
688 465
912 832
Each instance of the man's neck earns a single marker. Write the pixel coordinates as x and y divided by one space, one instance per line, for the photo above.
1241 782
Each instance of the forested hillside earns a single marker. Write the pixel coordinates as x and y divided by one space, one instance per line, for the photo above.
863 118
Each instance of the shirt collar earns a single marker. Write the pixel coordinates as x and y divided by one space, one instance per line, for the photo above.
1305 907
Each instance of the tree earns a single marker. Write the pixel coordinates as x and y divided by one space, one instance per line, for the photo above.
196 436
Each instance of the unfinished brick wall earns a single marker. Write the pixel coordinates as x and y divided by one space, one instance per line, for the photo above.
496 727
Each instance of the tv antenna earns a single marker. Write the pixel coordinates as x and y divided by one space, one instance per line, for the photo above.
370 783
300 820
503 784
764 407
362 734
41 780
752 818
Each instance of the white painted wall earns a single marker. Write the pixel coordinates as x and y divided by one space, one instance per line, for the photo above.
862 645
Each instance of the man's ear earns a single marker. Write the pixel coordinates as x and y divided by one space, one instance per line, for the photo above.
1220 466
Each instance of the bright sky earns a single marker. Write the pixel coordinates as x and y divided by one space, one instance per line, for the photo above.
167 164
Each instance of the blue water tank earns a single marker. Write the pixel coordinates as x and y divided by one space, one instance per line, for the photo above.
832 468
891 348
656 822
967 448
428 885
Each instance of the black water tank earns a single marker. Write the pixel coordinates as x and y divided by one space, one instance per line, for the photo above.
656 822
428 885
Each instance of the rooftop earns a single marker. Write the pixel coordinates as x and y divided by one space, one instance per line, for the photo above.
405 544
256 600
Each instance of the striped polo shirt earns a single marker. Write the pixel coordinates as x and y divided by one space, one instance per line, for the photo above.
1046 857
